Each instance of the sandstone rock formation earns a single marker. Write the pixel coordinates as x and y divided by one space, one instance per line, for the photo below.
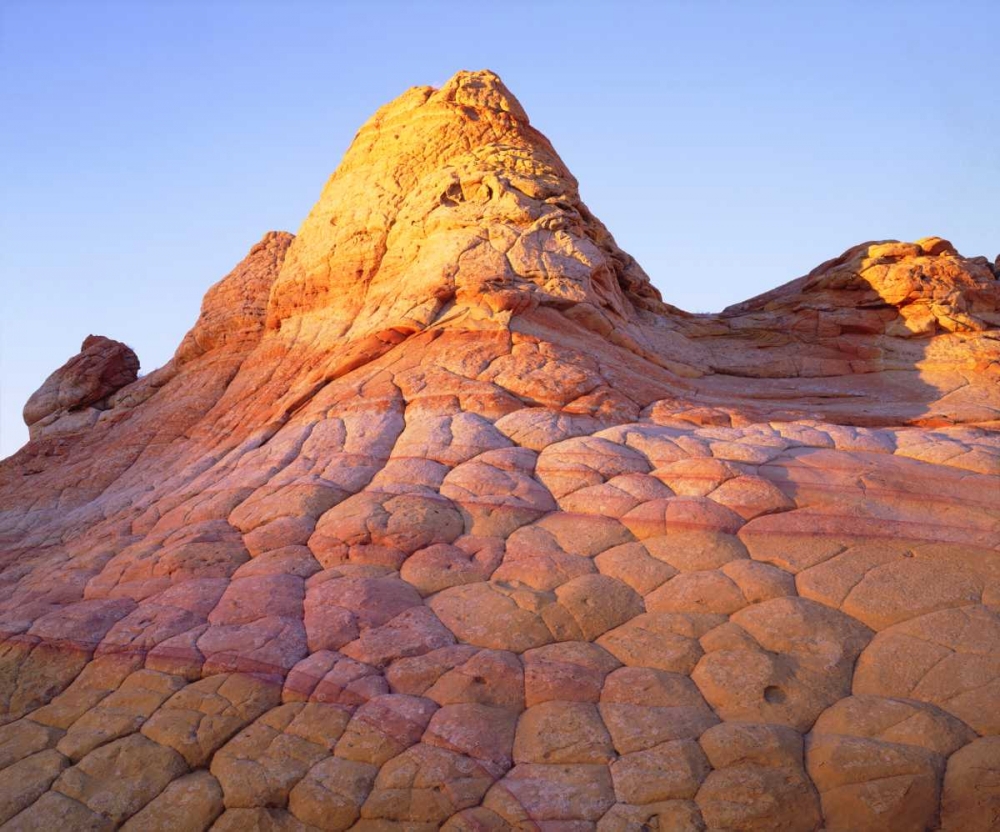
74 395
440 518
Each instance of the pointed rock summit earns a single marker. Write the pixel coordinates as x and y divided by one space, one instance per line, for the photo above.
450 204
440 518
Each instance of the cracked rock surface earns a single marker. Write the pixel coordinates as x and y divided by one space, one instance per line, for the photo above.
440 518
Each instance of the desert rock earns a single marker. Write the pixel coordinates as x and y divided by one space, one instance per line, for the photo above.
441 518
70 394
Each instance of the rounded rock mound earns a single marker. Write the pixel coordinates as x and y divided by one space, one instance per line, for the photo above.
102 367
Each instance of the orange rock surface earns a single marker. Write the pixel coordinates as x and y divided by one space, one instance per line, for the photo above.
440 518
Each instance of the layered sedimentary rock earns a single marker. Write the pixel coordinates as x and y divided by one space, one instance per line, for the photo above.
441 518
74 395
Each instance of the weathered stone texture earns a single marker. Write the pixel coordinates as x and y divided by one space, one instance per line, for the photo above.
439 518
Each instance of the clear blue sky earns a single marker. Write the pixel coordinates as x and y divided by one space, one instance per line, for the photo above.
728 146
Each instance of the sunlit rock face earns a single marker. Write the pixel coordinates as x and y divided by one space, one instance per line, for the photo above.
440 518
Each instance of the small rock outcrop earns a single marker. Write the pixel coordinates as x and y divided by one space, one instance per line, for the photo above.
100 368
440 518
892 288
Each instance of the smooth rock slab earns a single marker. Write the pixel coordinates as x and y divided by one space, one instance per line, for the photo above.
330 796
869 785
533 792
118 779
949 658
192 802
971 798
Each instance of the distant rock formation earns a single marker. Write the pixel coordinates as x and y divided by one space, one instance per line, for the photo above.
441 518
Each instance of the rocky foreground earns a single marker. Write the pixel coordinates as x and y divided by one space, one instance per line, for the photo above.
441 518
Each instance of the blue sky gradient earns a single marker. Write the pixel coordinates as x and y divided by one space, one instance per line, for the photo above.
728 146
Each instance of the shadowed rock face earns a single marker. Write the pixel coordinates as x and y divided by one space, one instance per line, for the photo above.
440 518
83 383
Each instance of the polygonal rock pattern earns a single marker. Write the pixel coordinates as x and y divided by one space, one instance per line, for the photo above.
441 519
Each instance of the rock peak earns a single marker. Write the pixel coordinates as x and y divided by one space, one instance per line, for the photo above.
450 203
482 90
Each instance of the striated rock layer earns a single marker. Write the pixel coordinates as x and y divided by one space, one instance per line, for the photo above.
441 518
